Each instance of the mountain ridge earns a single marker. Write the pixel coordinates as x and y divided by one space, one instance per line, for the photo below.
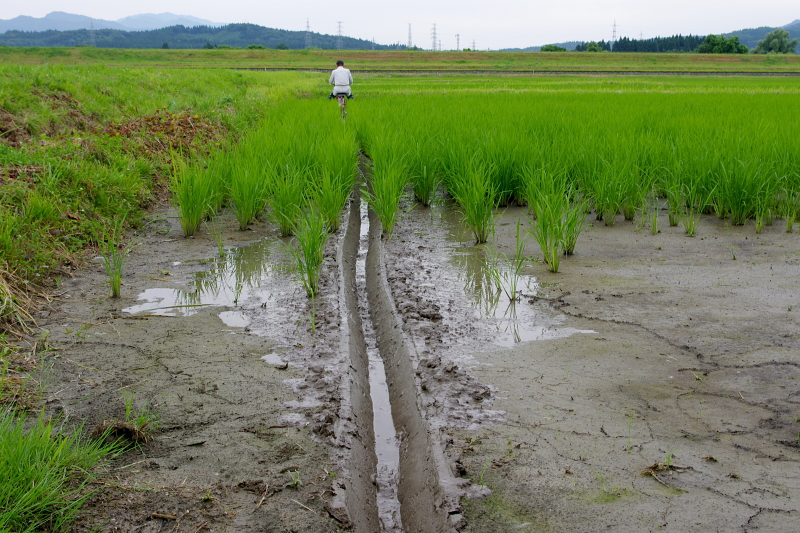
62 21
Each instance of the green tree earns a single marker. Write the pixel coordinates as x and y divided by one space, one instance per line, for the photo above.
718 44
552 48
165 46
281 46
776 42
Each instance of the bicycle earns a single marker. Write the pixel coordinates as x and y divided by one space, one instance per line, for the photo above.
342 99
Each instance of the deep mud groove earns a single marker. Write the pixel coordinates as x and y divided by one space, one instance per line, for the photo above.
424 504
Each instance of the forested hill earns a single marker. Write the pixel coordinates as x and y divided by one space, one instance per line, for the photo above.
238 35
751 36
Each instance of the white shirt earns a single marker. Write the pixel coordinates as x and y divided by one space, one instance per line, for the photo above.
341 77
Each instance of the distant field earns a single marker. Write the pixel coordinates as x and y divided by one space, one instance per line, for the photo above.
411 61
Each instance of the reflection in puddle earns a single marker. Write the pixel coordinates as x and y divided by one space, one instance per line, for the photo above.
234 319
482 275
233 278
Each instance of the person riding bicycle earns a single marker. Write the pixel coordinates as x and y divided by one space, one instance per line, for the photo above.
341 79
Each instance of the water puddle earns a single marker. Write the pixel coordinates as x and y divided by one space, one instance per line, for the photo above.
488 278
387 447
230 280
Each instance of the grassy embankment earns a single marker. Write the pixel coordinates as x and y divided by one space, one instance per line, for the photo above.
397 60
81 148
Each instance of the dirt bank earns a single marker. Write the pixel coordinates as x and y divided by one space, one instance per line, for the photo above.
645 351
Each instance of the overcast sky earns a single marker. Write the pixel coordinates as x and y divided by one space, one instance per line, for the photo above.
490 23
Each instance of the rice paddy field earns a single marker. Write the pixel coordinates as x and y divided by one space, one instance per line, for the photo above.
476 303
417 61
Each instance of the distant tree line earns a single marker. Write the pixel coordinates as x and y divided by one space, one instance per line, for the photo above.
676 43
232 35
718 44
593 46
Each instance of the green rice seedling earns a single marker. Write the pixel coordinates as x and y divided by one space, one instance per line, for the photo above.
574 218
311 236
215 229
425 182
696 202
113 256
141 417
472 188
675 201
388 183
287 187
423 169
608 194
542 180
788 208
655 207
508 278
330 195
548 229
248 186
739 184
192 192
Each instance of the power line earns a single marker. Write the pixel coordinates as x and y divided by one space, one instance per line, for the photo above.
308 34
92 40
473 45
434 39
614 34
339 36
458 41
410 43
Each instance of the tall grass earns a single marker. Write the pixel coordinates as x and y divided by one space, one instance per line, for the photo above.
46 473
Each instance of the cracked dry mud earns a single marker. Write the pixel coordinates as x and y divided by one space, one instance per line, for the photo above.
643 349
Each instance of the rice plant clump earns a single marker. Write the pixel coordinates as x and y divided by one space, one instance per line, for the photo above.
548 228
389 180
476 195
193 193
311 235
287 188
248 186
113 256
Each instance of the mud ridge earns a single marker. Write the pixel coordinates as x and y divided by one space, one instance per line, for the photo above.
427 491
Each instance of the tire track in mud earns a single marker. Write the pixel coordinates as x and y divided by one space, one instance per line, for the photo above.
426 490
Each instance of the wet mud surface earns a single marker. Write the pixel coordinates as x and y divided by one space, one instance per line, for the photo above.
650 385
654 351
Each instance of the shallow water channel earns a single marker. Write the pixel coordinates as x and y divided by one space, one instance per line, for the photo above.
386 443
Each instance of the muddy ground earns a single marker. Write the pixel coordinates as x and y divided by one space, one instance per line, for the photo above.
650 385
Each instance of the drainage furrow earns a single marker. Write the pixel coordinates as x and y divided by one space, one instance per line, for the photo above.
386 445
356 431
424 506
